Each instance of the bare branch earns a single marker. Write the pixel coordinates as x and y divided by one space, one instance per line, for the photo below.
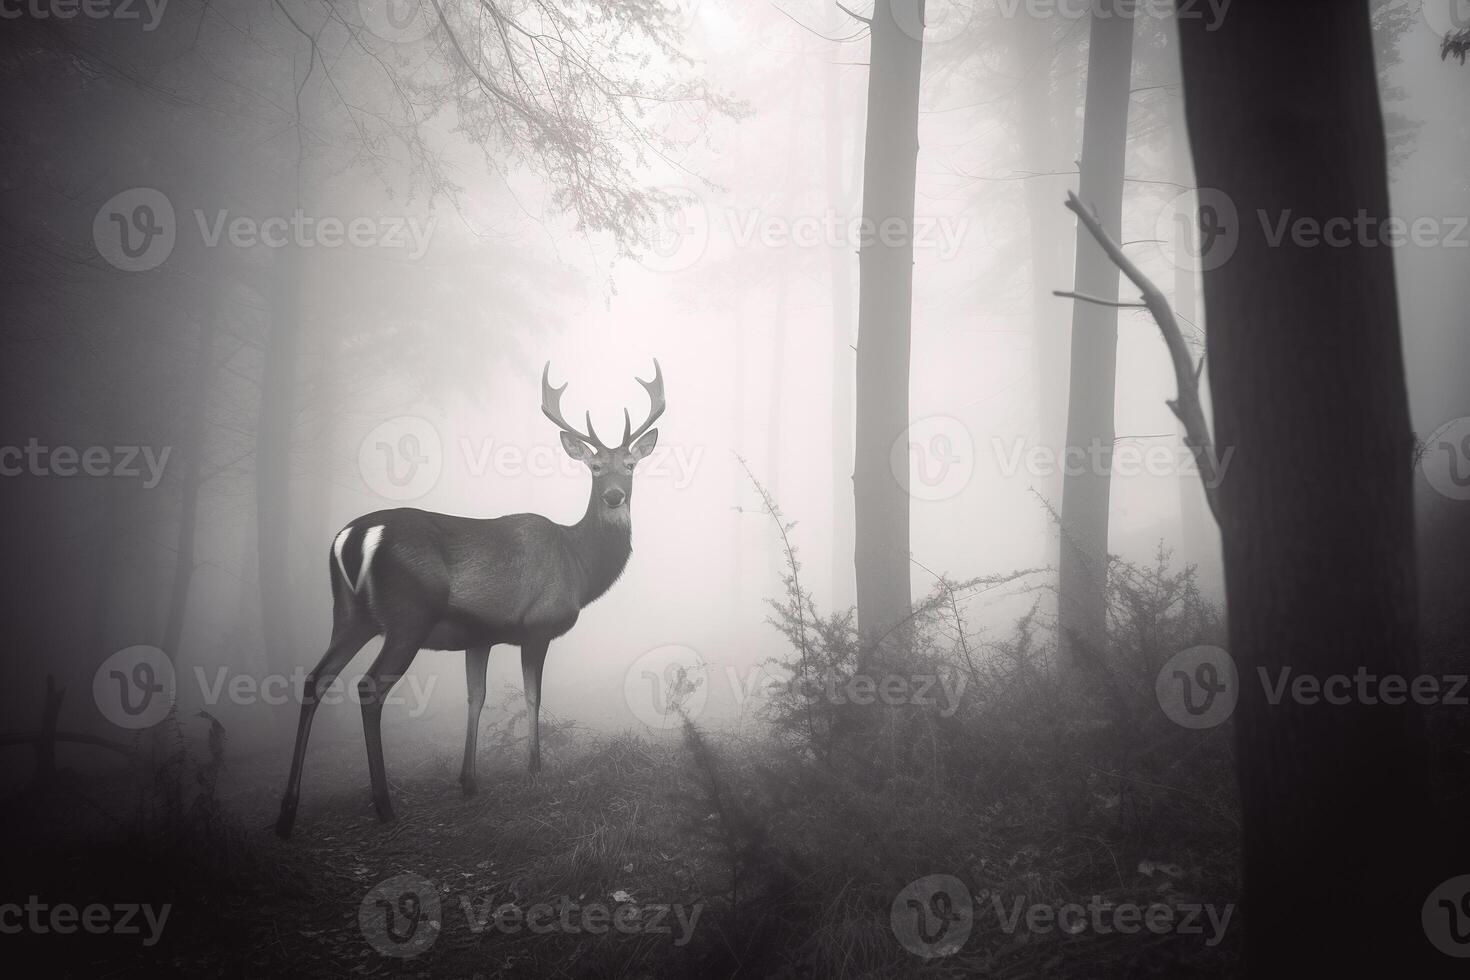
1186 407
1065 294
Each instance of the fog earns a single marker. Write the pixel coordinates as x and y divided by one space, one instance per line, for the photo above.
359 205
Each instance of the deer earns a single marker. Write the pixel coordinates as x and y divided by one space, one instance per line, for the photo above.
425 580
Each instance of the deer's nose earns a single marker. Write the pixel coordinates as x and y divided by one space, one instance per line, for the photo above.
613 497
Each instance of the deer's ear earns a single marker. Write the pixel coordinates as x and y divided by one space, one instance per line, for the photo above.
576 448
644 445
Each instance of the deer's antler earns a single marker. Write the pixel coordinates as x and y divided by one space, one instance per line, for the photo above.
655 389
551 408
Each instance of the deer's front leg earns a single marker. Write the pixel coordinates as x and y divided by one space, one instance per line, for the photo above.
533 658
475 662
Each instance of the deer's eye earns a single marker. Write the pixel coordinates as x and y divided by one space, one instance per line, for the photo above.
597 469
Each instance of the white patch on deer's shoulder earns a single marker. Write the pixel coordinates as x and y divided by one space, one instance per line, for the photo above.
339 544
370 540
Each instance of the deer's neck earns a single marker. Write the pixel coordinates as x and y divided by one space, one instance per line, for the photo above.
602 541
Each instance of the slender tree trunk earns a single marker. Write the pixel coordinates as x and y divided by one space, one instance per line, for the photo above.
1039 137
273 457
742 489
838 191
885 311
192 450
779 328
1086 485
1308 386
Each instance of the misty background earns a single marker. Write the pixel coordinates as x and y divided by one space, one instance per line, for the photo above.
282 381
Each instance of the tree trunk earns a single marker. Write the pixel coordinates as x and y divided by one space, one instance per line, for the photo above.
192 449
1086 484
1308 387
1039 139
838 189
273 457
885 301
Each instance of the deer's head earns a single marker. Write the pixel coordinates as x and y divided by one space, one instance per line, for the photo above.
611 466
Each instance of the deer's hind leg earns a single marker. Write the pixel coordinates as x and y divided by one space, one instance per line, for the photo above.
347 638
533 659
399 649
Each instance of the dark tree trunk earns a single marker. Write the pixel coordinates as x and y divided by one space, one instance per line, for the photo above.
1308 386
885 301
1086 486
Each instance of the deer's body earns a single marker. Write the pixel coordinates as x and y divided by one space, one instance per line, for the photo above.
423 580
477 582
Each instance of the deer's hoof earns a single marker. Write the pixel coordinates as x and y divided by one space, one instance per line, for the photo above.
285 821
468 787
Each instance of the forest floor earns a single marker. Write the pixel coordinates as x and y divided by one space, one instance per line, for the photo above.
610 863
